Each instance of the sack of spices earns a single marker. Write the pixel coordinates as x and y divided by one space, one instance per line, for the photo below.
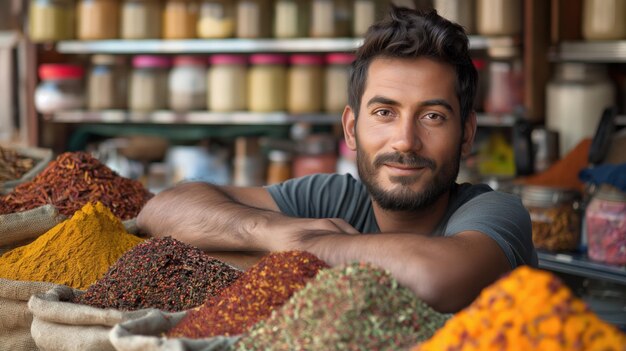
20 165
64 326
17 229
145 334
15 318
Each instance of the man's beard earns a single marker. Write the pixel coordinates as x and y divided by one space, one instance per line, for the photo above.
406 199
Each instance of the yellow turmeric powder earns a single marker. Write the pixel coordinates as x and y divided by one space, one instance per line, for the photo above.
526 310
76 252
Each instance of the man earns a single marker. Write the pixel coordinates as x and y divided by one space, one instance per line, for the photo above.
410 120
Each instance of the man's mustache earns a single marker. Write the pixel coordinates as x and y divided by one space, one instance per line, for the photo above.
410 160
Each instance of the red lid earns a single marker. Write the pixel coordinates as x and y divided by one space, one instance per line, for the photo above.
228 60
60 71
186 60
268 59
300 59
151 61
479 64
340 58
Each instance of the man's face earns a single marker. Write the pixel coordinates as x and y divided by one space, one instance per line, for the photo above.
408 134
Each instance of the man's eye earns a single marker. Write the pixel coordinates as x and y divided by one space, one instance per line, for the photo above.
434 116
383 113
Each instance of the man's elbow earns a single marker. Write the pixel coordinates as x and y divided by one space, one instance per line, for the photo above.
438 293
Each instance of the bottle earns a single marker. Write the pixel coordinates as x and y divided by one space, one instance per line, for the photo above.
217 19
227 81
253 19
290 18
141 19
148 83
180 18
267 83
51 20
336 81
107 83
188 84
98 19
305 79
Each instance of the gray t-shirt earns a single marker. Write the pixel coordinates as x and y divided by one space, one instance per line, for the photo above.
499 215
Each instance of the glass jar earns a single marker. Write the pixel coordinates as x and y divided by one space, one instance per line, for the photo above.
98 19
606 226
555 217
576 96
188 84
604 19
227 80
317 153
279 167
254 19
148 83
336 82
330 18
141 19
107 83
291 19
180 18
304 84
61 88
217 19
51 20
459 11
499 17
267 83
366 12
505 92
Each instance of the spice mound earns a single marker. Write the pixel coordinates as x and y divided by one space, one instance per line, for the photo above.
353 307
71 181
13 165
76 252
526 310
261 289
161 273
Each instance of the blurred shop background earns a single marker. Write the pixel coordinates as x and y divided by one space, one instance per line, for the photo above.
250 92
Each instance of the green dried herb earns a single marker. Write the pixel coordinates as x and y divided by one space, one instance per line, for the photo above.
353 307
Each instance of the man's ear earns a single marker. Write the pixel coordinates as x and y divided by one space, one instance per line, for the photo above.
349 127
468 134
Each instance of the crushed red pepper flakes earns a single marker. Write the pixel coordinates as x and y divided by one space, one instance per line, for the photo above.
161 273
352 307
73 180
260 290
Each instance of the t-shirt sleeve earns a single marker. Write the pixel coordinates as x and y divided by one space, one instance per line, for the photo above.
502 217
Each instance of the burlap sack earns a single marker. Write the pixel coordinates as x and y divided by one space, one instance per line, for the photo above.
15 318
60 325
17 229
146 334
41 156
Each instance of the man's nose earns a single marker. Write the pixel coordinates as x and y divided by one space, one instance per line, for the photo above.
405 136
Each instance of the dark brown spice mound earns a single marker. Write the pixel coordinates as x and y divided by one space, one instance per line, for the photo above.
161 273
264 287
73 180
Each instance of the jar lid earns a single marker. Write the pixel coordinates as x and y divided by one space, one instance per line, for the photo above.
300 59
317 144
60 71
340 58
268 59
228 60
479 64
534 195
151 61
188 60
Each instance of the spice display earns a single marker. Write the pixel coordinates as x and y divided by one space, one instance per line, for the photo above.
73 180
161 273
353 307
261 289
606 226
76 252
13 165
526 310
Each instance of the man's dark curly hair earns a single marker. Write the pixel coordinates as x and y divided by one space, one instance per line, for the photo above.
408 33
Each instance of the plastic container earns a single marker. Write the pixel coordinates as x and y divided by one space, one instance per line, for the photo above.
98 19
291 18
555 216
305 83
317 153
61 88
180 18
216 19
187 84
227 81
51 20
267 83
141 19
336 82
604 19
107 83
576 96
148 83
254 19
499 17
279 166
459 11
606 226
